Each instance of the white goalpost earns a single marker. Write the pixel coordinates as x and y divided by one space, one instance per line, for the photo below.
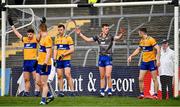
176 29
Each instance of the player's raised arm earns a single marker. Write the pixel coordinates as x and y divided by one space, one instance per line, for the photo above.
134 54
38 37
120 34
13 28
78 31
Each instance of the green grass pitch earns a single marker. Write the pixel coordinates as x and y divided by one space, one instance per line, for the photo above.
88 101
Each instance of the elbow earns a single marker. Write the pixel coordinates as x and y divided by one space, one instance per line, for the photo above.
72 51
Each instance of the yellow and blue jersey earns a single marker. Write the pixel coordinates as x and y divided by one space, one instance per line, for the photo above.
30 48
62 44
45 42
147 46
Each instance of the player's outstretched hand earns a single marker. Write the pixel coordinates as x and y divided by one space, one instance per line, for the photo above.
129 59
122 30
43 20
10 21
78 31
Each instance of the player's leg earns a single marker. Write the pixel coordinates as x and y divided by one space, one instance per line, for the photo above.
60 70
37 88
142 72
152 68
154 78
26 76
108 64
102 71
45 89
60 82
38 77
67 69
34 68
141 83
108 77
69 79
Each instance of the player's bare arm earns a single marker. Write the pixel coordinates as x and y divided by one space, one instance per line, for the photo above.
120 34
85 38
134 54
13 28
157 55
48 55
70 51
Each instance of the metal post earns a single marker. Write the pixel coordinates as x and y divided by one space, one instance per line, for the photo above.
121 9
176 47
100 11
3 44
23 14
164 8
72 9
45 9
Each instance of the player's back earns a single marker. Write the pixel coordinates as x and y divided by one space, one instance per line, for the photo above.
45 42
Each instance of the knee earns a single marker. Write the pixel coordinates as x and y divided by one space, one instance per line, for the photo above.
102 77
60 77
108 76
154 79
26 80
43 84
68 75
141 79
38 83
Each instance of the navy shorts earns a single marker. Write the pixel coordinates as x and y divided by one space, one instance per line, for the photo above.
105 60
151 65
39 70
29 65
63 64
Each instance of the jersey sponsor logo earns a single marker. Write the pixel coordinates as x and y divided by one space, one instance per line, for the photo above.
30 45
103 43
147 48
62 46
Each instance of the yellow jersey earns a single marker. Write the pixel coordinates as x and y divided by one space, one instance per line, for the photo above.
147 46
62 44
30 48
45 42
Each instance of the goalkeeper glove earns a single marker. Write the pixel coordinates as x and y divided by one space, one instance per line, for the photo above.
55 63
61 57
10 21
43 20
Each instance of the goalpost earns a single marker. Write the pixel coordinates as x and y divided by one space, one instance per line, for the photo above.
176 29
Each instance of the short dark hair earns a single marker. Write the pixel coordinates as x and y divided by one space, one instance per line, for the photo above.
30 30
143 30
61 25
103 25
